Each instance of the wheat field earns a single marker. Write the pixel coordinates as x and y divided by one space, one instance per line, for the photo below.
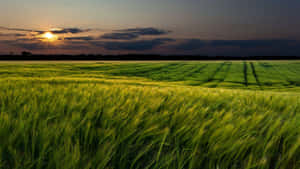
173 115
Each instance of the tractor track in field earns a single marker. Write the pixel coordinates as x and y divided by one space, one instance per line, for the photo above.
166 72
211 78
245 73
255 75
191 71
183 71
226 73
168 66
198 70
227 66
141 72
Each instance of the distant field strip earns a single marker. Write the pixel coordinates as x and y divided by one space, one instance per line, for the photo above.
257 75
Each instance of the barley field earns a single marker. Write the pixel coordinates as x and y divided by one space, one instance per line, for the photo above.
150 115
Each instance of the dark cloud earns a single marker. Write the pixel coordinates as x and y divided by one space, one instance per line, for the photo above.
19 34
240 47
74 46
12 34
30 39
69 30
124 34
140 45
29 46
145 31
58 31
130 34
33 46
252 43
84 38
191 44
21 30
194 44
120 36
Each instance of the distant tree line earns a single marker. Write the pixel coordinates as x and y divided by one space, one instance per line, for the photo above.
29 56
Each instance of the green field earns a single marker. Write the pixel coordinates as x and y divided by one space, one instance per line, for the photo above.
156 115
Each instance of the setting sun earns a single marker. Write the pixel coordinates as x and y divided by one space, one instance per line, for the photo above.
49 36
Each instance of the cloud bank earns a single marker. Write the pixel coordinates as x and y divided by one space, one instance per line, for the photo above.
69 30
139 45
129 34
147 40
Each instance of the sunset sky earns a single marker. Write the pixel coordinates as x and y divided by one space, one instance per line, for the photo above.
204 27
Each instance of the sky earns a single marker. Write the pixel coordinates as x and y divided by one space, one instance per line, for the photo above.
191 27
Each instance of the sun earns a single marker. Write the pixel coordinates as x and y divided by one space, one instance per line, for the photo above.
49 36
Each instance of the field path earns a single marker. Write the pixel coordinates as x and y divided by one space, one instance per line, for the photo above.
246 73
195 69
229 64
255 75
211 78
